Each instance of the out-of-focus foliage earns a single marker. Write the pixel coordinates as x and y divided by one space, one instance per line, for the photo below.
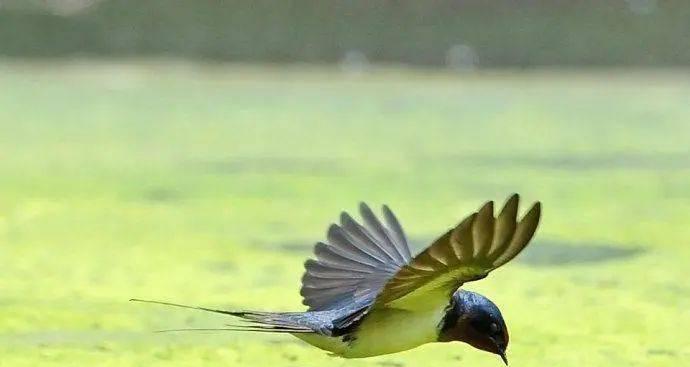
457 33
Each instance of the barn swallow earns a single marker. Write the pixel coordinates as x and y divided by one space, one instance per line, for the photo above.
367 296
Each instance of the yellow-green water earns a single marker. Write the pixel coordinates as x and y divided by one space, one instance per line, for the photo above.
208 185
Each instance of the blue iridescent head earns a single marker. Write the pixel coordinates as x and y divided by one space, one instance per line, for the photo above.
473 319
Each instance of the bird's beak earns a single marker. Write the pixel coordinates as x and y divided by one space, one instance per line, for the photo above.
502 353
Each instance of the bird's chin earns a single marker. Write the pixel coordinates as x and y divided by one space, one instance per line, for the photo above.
486 346
491 347
501 351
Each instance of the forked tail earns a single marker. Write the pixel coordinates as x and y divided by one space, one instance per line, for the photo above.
267 322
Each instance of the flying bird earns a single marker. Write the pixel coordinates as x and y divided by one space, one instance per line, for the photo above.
367 295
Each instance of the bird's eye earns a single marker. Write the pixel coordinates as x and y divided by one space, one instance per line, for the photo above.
493 328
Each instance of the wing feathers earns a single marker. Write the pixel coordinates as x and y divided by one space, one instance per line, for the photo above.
504 226
371 262
397 233
332 257
476 246
378 230
316 282
462 237
320 270
483 230
360 235
523 234
356 261
341 244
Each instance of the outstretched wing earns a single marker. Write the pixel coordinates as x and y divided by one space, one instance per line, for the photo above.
475 247
356 261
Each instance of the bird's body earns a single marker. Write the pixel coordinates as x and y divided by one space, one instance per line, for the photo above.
368 296
382 332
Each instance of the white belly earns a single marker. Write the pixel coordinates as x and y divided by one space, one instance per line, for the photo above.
382 332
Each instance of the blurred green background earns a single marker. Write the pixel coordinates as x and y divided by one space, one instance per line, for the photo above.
499 33
139 158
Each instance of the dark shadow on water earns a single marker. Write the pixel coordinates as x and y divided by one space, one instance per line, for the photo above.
221 266
538 254
662 352
390 364
161 195
551 253
296 247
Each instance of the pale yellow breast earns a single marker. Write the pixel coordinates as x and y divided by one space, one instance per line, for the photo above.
383 332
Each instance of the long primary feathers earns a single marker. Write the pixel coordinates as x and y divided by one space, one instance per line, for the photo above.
475 247
355 262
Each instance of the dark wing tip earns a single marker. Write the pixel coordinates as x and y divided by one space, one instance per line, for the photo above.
487 208
524 232
483 229
534 213
537 205
333 228
398 234
344 217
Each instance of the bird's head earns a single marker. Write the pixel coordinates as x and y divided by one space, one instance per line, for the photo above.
475 320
